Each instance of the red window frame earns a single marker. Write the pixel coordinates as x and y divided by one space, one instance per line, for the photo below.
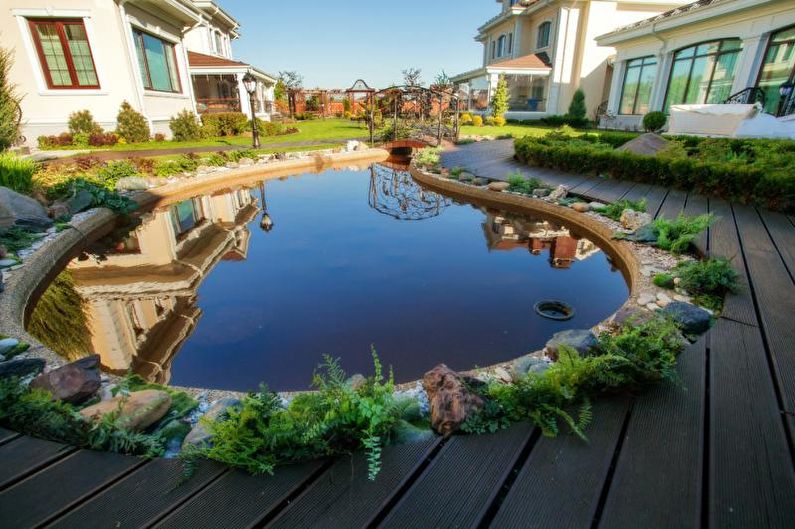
138 34
59 26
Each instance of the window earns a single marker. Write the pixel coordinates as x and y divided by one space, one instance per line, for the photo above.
703 73
64 53
542 41
510 43
501 46
219 49
185 216
778 67
638 82
493 49
157 61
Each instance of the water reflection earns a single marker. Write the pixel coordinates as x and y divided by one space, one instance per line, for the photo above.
393 192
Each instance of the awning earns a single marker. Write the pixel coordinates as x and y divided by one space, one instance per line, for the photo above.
201 63
532 64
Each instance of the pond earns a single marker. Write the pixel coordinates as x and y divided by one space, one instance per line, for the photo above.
254 285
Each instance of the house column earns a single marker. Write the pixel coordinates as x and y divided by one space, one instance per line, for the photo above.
563 61
664 62
517 38
245 104
750 61
614 99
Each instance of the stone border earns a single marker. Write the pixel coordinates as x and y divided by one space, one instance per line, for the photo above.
25 284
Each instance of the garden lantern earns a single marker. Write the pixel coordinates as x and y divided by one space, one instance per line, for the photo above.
250 84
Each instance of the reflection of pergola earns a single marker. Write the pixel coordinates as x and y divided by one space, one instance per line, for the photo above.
396 194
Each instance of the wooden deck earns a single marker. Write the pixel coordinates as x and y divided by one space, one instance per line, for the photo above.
714 451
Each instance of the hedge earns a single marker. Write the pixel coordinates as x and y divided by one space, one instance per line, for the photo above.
760 174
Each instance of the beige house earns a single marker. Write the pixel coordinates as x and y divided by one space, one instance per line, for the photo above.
71 55
546 49
707 52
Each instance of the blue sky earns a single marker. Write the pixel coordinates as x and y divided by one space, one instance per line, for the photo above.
332 43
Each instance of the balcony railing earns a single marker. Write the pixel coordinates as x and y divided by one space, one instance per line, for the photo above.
214 105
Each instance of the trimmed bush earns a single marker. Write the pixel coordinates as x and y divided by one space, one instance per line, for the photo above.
465 119
16 173
185 126
82 122
477 121
490 121
577 110
226 123
654 121
103 139
499 121
131 125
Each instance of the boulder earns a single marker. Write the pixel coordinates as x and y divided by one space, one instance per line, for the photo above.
200 434
631 316
21 368
451 401
502 374
7 345
498 186
690 318
645 299
581 340
632 220
663 300
541 192
136 411
596 205
528 364
644 234
73 382
649 144
7 263
560 192
356 381
580 207
20 210
480 181
132 183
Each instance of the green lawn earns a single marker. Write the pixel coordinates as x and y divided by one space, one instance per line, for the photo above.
517 131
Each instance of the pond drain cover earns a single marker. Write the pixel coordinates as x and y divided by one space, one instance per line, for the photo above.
554 310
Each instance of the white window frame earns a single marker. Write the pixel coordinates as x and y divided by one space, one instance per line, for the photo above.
549 35
182 68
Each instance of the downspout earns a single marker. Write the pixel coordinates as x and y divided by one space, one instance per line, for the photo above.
136 69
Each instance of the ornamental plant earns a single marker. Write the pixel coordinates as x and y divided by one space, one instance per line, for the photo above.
16 173
577 109
10 114
185 126
499 102
131 124
654 121
82 122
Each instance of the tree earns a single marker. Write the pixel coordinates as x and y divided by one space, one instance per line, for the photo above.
9 103
499 102
577 108
412 77
280 91
442 81
291 80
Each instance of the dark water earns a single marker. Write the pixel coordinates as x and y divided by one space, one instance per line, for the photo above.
199 294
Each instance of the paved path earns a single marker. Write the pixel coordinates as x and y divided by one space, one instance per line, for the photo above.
714 451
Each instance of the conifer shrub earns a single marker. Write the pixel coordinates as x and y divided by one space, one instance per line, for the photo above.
132 125
185 126
82 122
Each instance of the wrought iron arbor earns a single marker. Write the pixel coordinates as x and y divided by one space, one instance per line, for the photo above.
395 193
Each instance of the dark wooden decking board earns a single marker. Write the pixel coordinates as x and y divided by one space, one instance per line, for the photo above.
637 192
674 204
459 485
143 497
7 435
781 231
562 480
751 481
78 476
664 439
344 498
238 499
698 205
616 191
24 455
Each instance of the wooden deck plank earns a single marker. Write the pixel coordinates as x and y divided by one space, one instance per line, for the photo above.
584 187
25 455
461 482
141 498
751 482
344 498
561 482
77 477
723 242
637 192
617 190
782 232
673 205
667 419
7 435
775 298
600 192
238 499
655 196
699 205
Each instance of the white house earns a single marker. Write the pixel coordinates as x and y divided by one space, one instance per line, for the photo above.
709 51
546 49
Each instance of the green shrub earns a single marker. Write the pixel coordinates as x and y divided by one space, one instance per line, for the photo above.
102 195
615 209
518 183
577 110
708 281
465 119
489 121
499 102
185 126
664 280
677 235
10 113
216 159
16 173
477 121
114 171
132 125
226 123
654 121
499 121
82 122
428 157
182 164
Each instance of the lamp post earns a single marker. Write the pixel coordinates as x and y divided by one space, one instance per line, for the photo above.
250 83
266 223
785 91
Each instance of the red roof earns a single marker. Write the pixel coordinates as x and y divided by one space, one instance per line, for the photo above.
200 60
533 61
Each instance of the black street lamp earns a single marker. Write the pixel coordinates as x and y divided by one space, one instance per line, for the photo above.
266 223
250 83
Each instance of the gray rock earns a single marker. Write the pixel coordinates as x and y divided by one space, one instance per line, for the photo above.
528 364
74 382
632 220
82 200
7 345
498 186
560 192
356 381
596 205
643 234
132 183
581 340
466 176
21 368
631 316
580 207
480 181
199 434
541 192
690 318
648 144
20 210
6 263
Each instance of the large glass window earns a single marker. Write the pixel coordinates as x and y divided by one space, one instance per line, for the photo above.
778 67
542 41
64 53
638 83
157 61
703 73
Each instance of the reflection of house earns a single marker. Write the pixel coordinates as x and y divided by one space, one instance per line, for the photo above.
546 50
141 295
703 53
217 77
504 233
